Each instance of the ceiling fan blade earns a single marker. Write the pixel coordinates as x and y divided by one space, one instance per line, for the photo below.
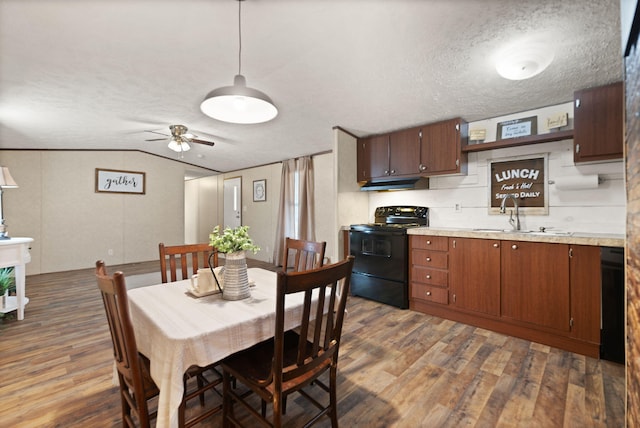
156 132
208 143
157 139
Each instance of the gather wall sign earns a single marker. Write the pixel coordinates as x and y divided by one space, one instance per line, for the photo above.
116 181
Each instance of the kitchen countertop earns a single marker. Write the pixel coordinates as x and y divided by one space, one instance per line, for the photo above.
576 238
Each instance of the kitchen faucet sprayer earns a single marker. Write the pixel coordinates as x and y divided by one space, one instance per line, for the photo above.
514 223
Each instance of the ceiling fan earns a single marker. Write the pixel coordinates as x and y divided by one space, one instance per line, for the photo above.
179 139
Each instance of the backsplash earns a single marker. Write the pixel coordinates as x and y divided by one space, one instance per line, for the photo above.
463 201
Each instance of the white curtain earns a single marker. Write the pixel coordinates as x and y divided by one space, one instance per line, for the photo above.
295 214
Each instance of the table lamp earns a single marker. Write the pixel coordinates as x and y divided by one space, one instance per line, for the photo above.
6 182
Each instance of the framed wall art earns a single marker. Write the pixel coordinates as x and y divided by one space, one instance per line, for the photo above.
115 181
517 128
260 190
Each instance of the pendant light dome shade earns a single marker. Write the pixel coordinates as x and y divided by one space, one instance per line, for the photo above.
239 104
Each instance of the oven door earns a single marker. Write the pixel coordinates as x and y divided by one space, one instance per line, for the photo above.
382 254
380 266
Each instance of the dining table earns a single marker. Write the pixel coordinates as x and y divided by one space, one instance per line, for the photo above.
176 329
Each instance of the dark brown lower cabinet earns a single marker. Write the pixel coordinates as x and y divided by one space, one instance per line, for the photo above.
544 292
474 280
535 283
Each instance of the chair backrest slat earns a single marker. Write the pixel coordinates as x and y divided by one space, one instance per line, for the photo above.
330 284
193 256
305 255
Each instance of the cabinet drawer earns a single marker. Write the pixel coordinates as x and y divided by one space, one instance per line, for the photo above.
430 276
427 258
429 293
435 243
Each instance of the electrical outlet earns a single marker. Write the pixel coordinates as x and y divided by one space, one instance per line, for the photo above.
110 252
458 206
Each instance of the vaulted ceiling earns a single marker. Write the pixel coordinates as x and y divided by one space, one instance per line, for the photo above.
97 74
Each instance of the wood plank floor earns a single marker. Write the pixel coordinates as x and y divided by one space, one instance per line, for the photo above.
397 368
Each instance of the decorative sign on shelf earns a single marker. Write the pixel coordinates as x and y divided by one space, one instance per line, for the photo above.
558 121
477 135
524 178
517 128
115 181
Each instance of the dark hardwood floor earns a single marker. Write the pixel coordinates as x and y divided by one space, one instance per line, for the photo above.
397 368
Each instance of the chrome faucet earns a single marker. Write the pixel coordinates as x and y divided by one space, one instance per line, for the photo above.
514 223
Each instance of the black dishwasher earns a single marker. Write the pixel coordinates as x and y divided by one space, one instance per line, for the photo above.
612 338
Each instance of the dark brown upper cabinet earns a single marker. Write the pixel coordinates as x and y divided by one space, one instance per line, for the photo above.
598 121
404 151
425 150
441 148
372 157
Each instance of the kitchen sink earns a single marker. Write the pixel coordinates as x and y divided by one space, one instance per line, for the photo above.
528 232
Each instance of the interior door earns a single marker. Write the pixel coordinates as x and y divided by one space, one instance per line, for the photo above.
232 202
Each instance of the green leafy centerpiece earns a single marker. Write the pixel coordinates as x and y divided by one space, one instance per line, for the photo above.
7 282
234 243
232 240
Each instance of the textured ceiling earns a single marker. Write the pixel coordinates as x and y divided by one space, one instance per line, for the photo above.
95 74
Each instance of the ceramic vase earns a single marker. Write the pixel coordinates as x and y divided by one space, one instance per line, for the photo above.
236 281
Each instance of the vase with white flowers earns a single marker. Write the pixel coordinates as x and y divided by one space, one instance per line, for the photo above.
234 243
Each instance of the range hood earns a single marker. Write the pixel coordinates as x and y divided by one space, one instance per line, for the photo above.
413 183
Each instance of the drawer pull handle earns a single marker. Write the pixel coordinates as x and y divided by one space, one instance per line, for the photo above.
428 276
495 245
514 246
428 259
428 242
428 293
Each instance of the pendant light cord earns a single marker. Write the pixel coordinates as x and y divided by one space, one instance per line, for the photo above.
239 37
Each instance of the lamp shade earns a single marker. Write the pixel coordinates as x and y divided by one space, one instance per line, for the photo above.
6 180
178 146
239 104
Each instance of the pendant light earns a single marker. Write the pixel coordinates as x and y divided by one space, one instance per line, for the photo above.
239 103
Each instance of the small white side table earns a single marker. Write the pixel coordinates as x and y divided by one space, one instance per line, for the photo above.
15 252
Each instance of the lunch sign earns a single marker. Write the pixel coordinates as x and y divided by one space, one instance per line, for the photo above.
522 178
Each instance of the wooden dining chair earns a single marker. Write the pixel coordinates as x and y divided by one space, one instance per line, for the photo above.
300 255
187 256
133 368
292 360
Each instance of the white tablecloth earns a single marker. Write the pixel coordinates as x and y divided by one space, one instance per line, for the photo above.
176 330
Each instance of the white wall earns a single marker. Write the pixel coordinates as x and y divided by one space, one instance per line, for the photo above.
73 226
200 209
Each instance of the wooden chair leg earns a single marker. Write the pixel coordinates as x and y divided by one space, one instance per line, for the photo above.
333 402
227 401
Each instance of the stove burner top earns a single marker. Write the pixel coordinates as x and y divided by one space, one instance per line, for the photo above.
396 218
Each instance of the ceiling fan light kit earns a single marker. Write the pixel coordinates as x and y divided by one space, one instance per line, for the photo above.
178 146
179 139
239 103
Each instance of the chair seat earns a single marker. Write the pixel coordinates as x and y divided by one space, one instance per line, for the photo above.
254 364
